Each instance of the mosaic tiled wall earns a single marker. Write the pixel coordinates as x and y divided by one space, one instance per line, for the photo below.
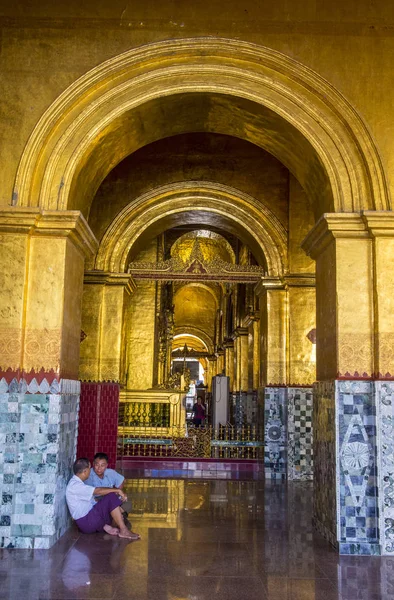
98 420
299 434
357 483
275 420
324 459
37 449
384 391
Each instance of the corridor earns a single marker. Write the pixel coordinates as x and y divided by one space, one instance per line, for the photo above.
214 540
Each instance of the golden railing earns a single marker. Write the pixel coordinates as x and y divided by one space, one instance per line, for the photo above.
152 424
203 442
144 411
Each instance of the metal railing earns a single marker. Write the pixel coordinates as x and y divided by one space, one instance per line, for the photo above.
203 442
152 424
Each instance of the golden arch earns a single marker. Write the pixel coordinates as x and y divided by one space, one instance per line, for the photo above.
154 211
198 333
283 106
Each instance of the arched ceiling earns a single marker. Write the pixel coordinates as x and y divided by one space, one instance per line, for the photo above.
198 156
192 341
197 112
195 306
209 244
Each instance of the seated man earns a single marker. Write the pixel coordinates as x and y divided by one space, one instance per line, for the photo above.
102 476
89 515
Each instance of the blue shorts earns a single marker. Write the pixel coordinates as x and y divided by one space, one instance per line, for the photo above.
100 514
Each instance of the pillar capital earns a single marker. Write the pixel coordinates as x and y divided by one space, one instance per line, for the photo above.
50 223
331 226
241 331
379 223
106 278
268 283
300 280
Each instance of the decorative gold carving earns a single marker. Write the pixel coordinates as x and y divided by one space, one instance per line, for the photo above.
40 349
385 354
355 354
10 348
210 244
196 268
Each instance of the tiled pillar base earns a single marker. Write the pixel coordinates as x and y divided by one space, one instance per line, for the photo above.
275 419
345 454
357 490
98 420
38 426
299 434
384 391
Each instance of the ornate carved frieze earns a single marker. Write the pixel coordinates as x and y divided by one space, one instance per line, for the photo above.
196 269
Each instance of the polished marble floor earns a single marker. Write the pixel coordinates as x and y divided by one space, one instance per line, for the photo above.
201 540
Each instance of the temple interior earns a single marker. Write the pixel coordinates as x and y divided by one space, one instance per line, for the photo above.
197 275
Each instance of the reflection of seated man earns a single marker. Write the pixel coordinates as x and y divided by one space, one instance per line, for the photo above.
102 476
92 516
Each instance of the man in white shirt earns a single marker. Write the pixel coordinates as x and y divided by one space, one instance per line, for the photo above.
89 515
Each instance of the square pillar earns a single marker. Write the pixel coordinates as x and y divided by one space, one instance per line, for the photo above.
273 331
43 255
104 307
347 484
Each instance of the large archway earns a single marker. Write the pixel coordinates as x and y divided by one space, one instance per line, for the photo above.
274 101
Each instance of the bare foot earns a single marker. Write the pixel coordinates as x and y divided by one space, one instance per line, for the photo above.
111 530
130 535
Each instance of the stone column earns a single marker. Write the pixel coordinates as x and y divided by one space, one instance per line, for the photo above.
380 226
220 360
256 352
242 358
346 486
211 371
229 362
273 331
104 307
42 253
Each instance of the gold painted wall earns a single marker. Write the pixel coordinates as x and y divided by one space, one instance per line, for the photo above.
350 44
302 319
140 330
40 297
13 252
326 318
104 309
301 221
71 325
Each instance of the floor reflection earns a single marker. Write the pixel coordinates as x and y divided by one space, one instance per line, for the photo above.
201 540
